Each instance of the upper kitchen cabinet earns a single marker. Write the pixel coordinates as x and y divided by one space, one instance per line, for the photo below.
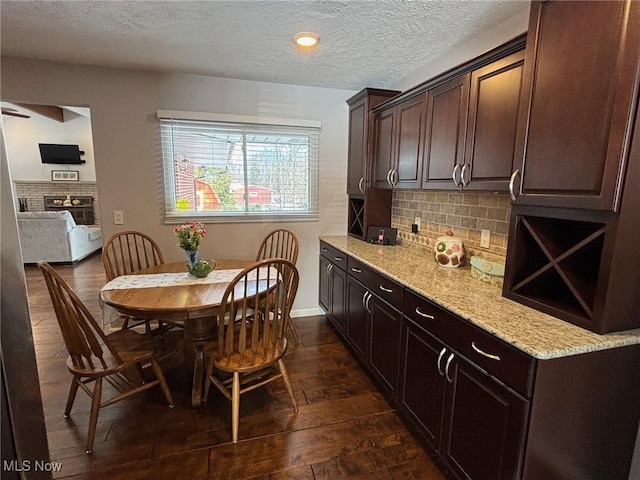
447 107
399 144
579 95
360 135
491 128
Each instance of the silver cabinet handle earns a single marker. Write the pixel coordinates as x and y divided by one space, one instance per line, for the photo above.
425 315
488 355
324 249
367 305
394 181
512 182
384 289
442 352
338 259
389 178
330 269
446 368
464 167
357 270
453 176
364 300
360 185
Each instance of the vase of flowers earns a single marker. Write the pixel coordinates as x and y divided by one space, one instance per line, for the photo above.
190 236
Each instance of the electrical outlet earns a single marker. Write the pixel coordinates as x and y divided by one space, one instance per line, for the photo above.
118 217
414 228
485 237
416 221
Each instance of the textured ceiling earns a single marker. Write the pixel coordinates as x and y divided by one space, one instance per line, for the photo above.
363 43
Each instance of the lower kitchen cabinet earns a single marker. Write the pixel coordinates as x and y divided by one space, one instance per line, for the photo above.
332 285
485 423
358 317
422 382
489 410
384 357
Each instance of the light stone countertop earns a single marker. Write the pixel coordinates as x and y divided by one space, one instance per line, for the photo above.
535 333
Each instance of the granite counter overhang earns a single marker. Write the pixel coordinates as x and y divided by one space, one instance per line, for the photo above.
540 335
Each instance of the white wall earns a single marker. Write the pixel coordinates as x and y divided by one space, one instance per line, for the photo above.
24 134
128 162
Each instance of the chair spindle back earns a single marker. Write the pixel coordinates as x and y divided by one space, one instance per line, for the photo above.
281 243
127 252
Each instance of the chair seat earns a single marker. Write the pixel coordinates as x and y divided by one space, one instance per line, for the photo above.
132 347
251 360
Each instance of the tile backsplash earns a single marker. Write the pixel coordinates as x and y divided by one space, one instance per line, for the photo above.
463 213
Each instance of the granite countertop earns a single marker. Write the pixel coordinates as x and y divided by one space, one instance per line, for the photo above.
535 333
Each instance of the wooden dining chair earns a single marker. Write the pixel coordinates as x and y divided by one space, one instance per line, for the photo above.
281 243
125 253
251 337
94 356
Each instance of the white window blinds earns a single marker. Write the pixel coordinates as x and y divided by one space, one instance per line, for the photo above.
234 171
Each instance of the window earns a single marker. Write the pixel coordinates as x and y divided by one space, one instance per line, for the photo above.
217 169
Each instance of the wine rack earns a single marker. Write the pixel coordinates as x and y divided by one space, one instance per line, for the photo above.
373 209
555 265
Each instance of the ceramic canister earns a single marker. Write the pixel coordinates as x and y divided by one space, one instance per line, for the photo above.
449 251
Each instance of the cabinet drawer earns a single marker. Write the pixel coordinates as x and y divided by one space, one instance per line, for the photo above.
377 283
506 363
334 255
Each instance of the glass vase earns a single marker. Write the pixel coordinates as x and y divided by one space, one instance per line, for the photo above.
192 257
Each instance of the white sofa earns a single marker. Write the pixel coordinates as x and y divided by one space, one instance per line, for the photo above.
55 237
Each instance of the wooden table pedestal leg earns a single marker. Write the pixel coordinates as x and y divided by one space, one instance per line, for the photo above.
199 331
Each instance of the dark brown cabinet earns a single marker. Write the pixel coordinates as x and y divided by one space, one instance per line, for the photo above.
491 128
399 144
384 356
366 206
485 424
360 135
489 410
447 107
332 283
358 317
579 100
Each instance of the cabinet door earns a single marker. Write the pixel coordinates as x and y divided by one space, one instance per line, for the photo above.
410 143
422 381
385 343
493 117
337 288
384 156
356 169
485 425
579 83
358 318
445 135
323 284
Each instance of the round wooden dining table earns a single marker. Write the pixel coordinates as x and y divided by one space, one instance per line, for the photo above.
178 298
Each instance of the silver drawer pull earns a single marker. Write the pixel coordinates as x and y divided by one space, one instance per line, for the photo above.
488 355
425 315
357 270
338 259
324 249
446 368
442 352
384 289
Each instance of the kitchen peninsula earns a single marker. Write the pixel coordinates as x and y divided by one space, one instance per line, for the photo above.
497 389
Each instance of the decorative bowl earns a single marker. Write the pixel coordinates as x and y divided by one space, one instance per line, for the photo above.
202 268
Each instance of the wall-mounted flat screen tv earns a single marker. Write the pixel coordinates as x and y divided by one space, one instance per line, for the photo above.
56 153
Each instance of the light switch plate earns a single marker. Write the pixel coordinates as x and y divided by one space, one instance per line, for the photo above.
118 217
485 238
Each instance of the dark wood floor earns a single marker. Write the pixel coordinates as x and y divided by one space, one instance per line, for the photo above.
343 429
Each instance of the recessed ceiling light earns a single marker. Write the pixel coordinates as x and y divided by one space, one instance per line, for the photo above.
306 39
